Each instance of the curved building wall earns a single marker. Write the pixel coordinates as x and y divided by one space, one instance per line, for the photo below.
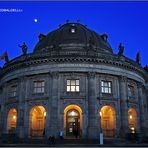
89 98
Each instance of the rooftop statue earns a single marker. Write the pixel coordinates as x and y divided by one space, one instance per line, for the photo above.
146 68
121 49
138 57
4 56
24 48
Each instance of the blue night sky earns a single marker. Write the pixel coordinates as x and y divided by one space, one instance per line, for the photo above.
125 22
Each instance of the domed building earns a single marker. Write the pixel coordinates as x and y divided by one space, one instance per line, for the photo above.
73 82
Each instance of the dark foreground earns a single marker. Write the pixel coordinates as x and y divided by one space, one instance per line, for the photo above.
73 143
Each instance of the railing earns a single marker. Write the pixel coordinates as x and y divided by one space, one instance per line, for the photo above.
109 132
37 133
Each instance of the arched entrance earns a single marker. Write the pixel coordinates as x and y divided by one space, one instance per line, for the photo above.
37 121
73 121
108 121
11 120
132 120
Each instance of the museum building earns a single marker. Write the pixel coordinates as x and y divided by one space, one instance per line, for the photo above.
73 82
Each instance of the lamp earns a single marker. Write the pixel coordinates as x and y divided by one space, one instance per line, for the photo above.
14 117
130 117
45 114
100 114
72 113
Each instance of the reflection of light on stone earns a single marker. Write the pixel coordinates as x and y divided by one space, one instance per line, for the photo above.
45 114
133 130
14 117
131 117
100 114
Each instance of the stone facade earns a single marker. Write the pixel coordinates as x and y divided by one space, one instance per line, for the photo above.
55 67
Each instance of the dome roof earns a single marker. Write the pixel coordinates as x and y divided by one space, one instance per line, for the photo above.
71 36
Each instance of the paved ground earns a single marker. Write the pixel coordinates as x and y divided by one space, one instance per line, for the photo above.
74 143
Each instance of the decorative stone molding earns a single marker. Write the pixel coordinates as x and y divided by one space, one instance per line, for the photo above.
10 106
132 105
72 75
35 59
91 75
110 103
12 100
76 97
37 103
54 74
140 85
123 79
73 102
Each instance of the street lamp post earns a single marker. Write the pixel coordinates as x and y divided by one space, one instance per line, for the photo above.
101 133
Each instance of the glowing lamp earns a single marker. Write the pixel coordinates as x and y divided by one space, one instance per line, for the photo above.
72 113
100 114
14 117
130 117
45 114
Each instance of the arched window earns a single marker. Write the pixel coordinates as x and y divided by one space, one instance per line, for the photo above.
73 120
132 120
11 120
37 121
108 121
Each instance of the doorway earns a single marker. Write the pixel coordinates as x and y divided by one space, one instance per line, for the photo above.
73 121
37 121
108 121
132 120
11 120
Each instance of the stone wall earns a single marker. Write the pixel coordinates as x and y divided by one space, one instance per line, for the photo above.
89 99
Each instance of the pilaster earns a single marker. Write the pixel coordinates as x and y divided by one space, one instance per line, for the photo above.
20 111
124 106
143 125
54 104
93 124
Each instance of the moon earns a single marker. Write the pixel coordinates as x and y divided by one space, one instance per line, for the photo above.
35 20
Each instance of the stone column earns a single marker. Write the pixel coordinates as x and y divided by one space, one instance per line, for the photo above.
20 109
123 106
54 105
93 121
26 106
4 111
143 125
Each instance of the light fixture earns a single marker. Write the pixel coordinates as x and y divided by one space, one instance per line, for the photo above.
72 113
45 114
130 117
132 128
14 117
72 30
100 114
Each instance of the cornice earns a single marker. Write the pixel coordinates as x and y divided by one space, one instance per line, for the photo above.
46 58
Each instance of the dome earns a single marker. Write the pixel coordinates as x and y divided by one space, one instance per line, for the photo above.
73 36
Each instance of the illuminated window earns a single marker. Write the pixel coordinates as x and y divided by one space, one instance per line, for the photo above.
73 30
13 91
130 91
106 87
39 86
11 120
72 85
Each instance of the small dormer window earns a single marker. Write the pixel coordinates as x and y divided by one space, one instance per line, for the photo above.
73 30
